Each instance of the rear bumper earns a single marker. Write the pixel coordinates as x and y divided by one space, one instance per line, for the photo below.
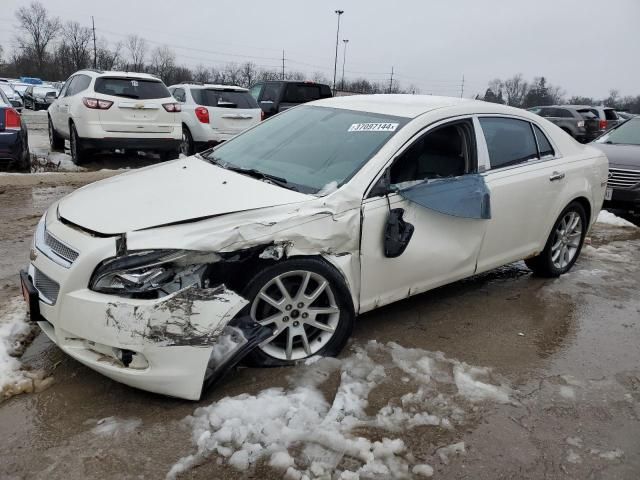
624 199
158 144
12 145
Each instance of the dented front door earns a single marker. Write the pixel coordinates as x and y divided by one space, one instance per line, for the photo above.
442 249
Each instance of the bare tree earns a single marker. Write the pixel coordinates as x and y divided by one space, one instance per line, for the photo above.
516 90
109 58
201 74
163 62
77 38
39 28
137 49
248 74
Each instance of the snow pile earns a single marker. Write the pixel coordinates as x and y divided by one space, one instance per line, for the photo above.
15 334
299 433
112 426
609 218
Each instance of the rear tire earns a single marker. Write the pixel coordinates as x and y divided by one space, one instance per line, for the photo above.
55 141
563 245
312 333
79 154
186 147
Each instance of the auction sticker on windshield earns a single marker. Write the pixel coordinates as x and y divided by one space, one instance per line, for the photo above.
373 127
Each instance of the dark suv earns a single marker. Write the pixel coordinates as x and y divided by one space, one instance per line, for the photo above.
276 96
581 123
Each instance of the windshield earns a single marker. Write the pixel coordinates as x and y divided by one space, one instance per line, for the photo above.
310 147
131 88
627 133
223 98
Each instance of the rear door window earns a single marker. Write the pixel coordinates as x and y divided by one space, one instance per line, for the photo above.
223 98
301 93
136 88
509 141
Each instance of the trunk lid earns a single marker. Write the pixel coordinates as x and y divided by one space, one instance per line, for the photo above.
137 105
231 110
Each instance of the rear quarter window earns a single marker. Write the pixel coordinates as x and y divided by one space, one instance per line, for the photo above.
610 114
136 88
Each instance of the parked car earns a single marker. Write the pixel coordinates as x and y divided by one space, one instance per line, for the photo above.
14 141
98 110
20 88
276 96
583 125
14 97
622 147
623 116
606 116
270 244
213 113
39 97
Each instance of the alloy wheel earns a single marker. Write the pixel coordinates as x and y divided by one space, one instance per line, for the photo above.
566 240
300 307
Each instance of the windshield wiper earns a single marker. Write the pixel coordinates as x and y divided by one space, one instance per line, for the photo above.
252 172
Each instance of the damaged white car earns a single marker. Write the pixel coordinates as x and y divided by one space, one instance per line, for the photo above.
270 245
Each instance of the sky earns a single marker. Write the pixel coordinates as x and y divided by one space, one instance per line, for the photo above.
585 46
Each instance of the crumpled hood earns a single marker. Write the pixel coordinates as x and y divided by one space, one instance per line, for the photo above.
620 155
171 192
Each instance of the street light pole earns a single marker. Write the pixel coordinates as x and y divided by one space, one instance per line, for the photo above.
344 59
335 63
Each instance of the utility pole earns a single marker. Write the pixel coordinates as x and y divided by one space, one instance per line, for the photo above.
282 64
391 81
335 62
344 59
462 87
95 51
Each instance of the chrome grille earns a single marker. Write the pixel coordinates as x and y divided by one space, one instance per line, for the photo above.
60 248
47 288
619 178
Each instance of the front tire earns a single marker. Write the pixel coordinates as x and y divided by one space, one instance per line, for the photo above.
563 245
307 305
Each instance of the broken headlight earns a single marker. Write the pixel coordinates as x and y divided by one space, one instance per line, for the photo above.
151 273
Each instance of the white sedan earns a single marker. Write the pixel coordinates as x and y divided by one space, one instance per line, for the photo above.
268 246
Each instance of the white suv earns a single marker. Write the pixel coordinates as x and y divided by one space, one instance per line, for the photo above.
213 113
98 110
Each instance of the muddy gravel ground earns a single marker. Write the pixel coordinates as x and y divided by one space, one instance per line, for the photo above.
566 352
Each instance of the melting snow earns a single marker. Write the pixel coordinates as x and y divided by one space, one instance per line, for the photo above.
609 218
115 426
14 334
298 432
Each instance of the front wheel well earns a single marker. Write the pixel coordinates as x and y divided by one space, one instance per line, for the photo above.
584 203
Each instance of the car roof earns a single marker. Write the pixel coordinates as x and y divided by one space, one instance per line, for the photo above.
114 73
210 86
401 105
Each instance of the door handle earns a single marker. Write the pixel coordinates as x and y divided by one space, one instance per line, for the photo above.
556 176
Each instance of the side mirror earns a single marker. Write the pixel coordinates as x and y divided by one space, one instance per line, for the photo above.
397 234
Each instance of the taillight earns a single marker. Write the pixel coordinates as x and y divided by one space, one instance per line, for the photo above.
202 114
11 119
261 115
603 124
172 107
96 104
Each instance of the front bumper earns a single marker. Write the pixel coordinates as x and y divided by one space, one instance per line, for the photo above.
172 346
624 199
